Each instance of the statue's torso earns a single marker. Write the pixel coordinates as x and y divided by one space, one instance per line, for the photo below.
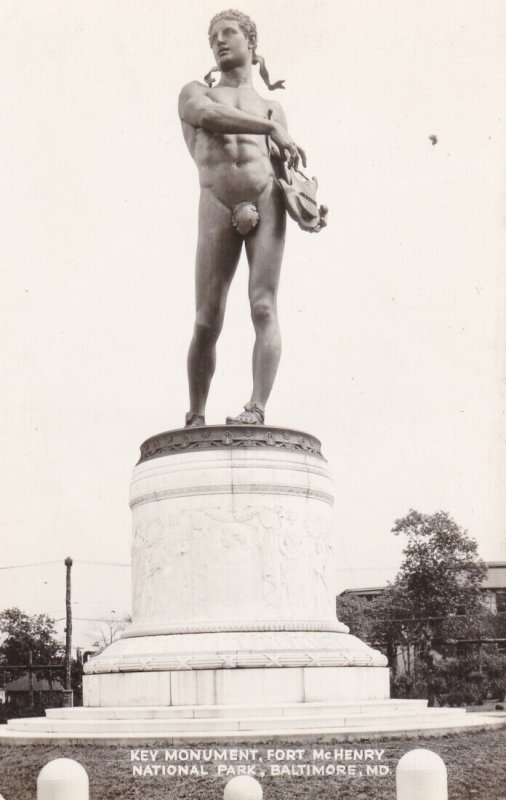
235 167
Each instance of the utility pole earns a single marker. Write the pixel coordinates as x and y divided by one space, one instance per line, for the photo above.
68 628
30 680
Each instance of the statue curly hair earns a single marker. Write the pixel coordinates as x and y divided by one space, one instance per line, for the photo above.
249 29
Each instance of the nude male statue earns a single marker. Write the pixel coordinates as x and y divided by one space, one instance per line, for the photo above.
236 138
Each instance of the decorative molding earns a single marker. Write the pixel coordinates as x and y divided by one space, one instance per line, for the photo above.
235 660
233 627
241 462
238 488
227 437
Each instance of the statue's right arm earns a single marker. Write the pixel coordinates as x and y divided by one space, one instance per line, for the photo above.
200 111
197 109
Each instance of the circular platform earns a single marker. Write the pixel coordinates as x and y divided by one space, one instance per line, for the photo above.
297 722
228 437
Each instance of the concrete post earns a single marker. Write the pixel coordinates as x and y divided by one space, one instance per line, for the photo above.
67 698
63 779
421 775
243 787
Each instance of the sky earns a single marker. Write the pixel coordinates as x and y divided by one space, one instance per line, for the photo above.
392 318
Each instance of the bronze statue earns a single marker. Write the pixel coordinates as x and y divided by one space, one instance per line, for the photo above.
247 161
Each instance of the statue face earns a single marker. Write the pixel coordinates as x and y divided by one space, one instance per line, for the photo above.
229 44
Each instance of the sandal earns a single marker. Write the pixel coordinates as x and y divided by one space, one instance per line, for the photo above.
252 415
192 420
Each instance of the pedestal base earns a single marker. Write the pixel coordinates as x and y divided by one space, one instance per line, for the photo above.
234 634
224 687
234 556
226 725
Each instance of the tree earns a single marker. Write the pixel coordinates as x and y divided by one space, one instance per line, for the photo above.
359 615
441 573
108 630
439 580
24 634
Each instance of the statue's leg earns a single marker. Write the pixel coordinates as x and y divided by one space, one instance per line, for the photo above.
264 248
218 251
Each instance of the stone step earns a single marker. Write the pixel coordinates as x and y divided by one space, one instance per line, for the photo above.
169 727
241 711
438 725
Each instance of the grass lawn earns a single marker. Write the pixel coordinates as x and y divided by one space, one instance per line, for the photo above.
476 770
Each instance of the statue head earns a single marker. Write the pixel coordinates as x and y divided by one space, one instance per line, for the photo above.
249 29
245 23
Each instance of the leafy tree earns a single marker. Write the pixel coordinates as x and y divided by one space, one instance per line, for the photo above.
360 615
439 581
468 677
441 571
23 633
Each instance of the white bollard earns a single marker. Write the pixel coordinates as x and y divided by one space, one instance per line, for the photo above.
243 787
63 779
421 775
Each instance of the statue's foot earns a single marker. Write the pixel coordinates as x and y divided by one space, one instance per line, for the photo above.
252 415
194 420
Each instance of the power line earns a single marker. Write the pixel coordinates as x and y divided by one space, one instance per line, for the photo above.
99 602
129 564
366 569
102 563
448 617
93 619
35 564
61 561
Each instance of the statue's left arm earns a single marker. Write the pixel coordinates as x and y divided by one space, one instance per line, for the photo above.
316 219
277 114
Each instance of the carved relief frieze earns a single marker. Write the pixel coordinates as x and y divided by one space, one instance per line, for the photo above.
251 558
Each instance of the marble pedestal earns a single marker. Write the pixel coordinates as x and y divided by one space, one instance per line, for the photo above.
234 634
234 558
